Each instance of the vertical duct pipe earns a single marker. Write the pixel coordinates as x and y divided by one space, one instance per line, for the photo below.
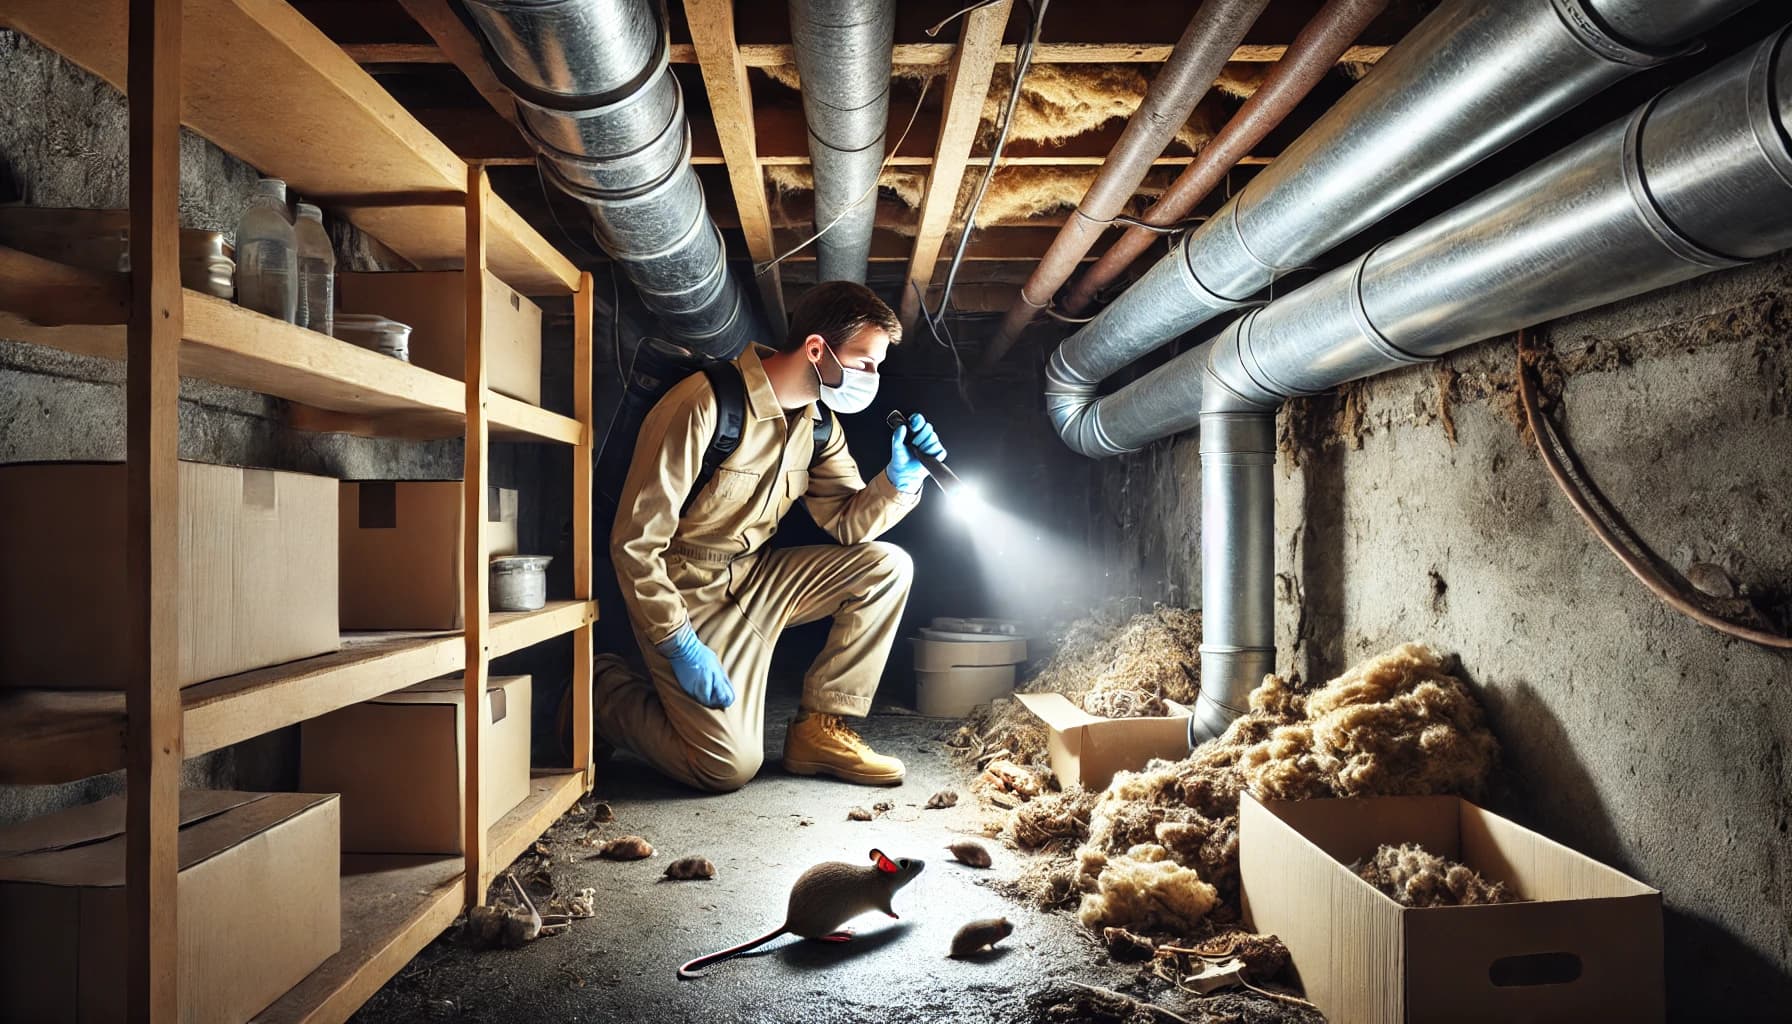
843 59
1466 82
1697 179
1190 71
596 99
1314 52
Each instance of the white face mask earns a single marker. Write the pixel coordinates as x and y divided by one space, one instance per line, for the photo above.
855 392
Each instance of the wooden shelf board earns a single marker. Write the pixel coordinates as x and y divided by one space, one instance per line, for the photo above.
60 736
338 386
392 906
550 796
266 85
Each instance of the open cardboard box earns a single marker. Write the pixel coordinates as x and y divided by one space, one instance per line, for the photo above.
1586 946
1087 749
397 761
259 906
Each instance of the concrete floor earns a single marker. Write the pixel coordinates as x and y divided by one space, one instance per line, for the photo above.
621 965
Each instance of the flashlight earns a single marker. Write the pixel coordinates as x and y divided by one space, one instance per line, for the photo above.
941 473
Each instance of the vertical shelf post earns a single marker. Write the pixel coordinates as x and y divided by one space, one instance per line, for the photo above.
476 547
582 455
152 508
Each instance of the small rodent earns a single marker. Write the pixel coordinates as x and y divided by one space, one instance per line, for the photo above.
971 853
626 848
825 897
687 869
979 935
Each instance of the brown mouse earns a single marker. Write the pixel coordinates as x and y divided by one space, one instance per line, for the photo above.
825 897
980 935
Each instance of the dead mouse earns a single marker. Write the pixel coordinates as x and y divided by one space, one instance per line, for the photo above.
825 897
978 935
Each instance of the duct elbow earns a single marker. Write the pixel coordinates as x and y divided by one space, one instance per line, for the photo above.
1074 408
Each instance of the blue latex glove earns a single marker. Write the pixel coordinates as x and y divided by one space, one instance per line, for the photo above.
698 670
906 471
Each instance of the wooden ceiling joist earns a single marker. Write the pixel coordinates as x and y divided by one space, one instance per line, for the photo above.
967 88
731 106
458 47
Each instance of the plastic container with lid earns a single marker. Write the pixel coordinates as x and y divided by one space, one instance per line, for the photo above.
267 255
370 330
519 583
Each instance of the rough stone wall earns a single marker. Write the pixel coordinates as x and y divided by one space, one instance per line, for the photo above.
1412 507
63 144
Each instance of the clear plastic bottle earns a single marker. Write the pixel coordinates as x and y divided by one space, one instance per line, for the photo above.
267 258
317 271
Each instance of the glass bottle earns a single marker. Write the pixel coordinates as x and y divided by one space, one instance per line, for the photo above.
267 259
317 271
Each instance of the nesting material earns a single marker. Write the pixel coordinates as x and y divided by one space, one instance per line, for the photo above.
690 869
1144 889
1127 947
970 853
1417 878
626 848
1053 818
943 799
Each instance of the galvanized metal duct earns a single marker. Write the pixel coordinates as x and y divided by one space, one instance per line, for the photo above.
843 60
596 98
1697 179
1467 81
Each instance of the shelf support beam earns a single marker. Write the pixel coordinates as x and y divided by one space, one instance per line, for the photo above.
477 548
582 526
967 87
152 508
731 105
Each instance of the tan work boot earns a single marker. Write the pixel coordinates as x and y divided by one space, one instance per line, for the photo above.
822 744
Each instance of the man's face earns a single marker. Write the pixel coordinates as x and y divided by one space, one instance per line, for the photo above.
865 350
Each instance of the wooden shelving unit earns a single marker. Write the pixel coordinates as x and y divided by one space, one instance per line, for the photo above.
256 78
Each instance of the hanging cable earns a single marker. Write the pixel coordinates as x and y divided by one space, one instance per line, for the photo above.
1609 526
761 268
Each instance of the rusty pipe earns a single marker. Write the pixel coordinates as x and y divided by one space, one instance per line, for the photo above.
1191 69
1314 52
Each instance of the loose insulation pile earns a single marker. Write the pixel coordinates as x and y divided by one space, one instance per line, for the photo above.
1158 852
1414 877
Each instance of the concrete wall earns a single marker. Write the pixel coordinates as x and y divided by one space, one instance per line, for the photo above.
1412 508
63 144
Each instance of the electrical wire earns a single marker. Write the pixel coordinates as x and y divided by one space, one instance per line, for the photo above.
554 215
761 268
1609 526
955 15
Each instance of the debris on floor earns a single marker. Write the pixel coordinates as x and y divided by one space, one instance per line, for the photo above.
626 848
511 925
858 814
943 799
1414 877
690 869
979 936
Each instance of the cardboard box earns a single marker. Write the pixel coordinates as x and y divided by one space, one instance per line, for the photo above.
257 571
952 693
1588 946
1087 749
434 305
945 655
401 551
397 762
259 906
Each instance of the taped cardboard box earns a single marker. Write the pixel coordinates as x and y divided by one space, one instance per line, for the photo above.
259 906
1587 944
1088 749
257 565
434 304
397 761
401 551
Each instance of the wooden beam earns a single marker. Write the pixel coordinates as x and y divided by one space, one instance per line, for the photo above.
731 107
759 55
152 509
476 553
584 454
967 88
457 44
395 53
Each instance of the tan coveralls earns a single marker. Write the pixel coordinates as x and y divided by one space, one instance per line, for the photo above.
707 568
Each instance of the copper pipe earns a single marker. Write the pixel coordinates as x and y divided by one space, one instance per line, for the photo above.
1314 52
1212 34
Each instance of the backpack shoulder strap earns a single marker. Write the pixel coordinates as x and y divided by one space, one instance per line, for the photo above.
731 414
824 433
